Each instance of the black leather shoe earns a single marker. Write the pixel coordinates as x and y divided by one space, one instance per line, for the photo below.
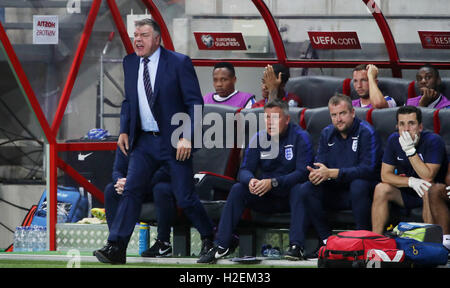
295 253
103 249
111 254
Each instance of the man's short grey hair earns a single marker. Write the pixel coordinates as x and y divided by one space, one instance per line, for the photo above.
338 98
149 22
278 103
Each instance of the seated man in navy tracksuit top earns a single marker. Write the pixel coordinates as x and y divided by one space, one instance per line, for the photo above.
283 172
413 160
162 196
346 168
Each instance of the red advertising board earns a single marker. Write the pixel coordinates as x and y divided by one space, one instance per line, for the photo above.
334 40
435 39
220 41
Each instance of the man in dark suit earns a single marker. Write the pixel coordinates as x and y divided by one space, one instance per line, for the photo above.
158 84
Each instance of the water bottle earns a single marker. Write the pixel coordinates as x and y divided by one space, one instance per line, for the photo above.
30 238
144 237
37 238
42 246
18 239
33 240
26 239
23 237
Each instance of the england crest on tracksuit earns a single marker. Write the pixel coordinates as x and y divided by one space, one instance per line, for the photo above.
355 144
288 152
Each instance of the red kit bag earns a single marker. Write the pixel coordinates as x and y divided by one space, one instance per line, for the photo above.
349 249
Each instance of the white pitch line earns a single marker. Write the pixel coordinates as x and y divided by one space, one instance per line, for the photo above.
162 260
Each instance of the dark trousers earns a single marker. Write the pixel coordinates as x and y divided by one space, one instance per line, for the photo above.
144 159
111 202
331 195
162 197
165 209
241 198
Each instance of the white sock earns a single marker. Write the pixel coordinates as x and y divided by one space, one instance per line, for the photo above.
446 241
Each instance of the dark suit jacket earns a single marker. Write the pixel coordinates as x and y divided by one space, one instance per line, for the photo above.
176 90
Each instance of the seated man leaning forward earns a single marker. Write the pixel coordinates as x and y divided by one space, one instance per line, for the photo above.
412 160
346 168
429 84
365 83
283 172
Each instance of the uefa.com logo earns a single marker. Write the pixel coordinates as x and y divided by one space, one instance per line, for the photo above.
228 131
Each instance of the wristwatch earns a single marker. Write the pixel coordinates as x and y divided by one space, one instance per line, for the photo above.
274 182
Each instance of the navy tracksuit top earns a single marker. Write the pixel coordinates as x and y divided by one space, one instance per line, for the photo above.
357 157
431 149
289 167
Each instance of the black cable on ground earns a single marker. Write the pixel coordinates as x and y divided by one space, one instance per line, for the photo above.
14 205
6 227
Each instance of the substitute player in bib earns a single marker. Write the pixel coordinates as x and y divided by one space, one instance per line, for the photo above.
365 83
224 81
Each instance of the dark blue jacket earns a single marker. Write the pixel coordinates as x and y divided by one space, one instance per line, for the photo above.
431 149
357 157
289 167
176 91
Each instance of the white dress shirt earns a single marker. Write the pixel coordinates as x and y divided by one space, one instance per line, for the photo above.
148 122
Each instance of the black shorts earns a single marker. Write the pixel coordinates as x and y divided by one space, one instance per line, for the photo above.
410 198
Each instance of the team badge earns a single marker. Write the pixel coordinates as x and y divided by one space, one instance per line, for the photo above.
355 145
288 153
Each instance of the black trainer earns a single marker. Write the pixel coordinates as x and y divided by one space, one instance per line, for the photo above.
207 244
213 255
294 253
159 249
111 254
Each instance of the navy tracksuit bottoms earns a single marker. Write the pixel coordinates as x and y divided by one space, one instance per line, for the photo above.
331 195
241 198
